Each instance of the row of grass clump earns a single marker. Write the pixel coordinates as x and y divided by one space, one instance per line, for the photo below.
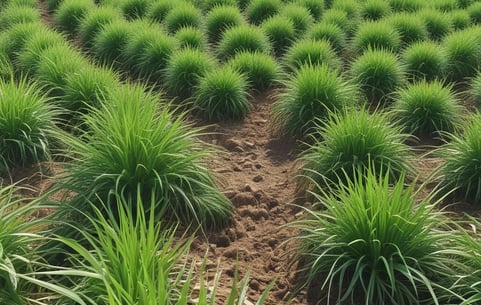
332 62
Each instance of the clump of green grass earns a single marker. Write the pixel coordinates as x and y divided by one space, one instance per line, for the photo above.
183 71
474 11
375 9
222 94
109 43
425 60
27 125
153 57
351 7
281 33
444 5
311 52
260 10
462 4
209 5
158 10
406 5
220 19
137 151
339 18
460 19
375 243
93 22
243 38
475 88
182 15
315 7
349 141
461 170
299 15
428 108
329 32
376 35
438 24
309 95
410 27
13 15
14 38
379 73
261 70
463 52
134 9
70 13
6 68
191 37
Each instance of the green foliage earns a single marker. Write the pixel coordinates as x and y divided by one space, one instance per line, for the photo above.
378 73
182 15
425 60
311 52
208 5
158 10
153 56
315 7
460 19
93 22
309 95
222 94
261 70
374 243
329 32
184 70
438 24
375 9
111 41
220 19
281 33
27 125
474 11
13 15
133 148
475 88
428 108
260 10
349 141
351 7
339 18
376 35
243 38
299 15
14 38
462 166
409 26
444 5
70 14
134 9
191 37
463 52
406 5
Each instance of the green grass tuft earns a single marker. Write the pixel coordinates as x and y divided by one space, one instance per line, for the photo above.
111 41
299 15
159 9
220 19
182 15
375 9
260 10
329 32
70 14
409 26
261 70
281 33
438 24
425 60
12 15
134 9
93 22
315 7
191 37
311 52
376 35
243 38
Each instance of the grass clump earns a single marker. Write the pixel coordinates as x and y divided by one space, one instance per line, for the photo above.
375 9
134 9
27 125
109 43
379 73
183 15
437 23
209 5
351 7
70 14
340 18
474 11
460 19
137 151
153 57
311 52
329 32
315 7
261 70
409 6
222 94
374 243
183 71
220 19
14 39
243 38
309 95
299 15
475 88
158 10
461 170
376 35
93 22
428 108
259 10
281 33
444 5
13 15
409 26
463 52
191 37
425 60
349 141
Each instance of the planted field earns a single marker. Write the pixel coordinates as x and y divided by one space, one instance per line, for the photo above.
240 152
